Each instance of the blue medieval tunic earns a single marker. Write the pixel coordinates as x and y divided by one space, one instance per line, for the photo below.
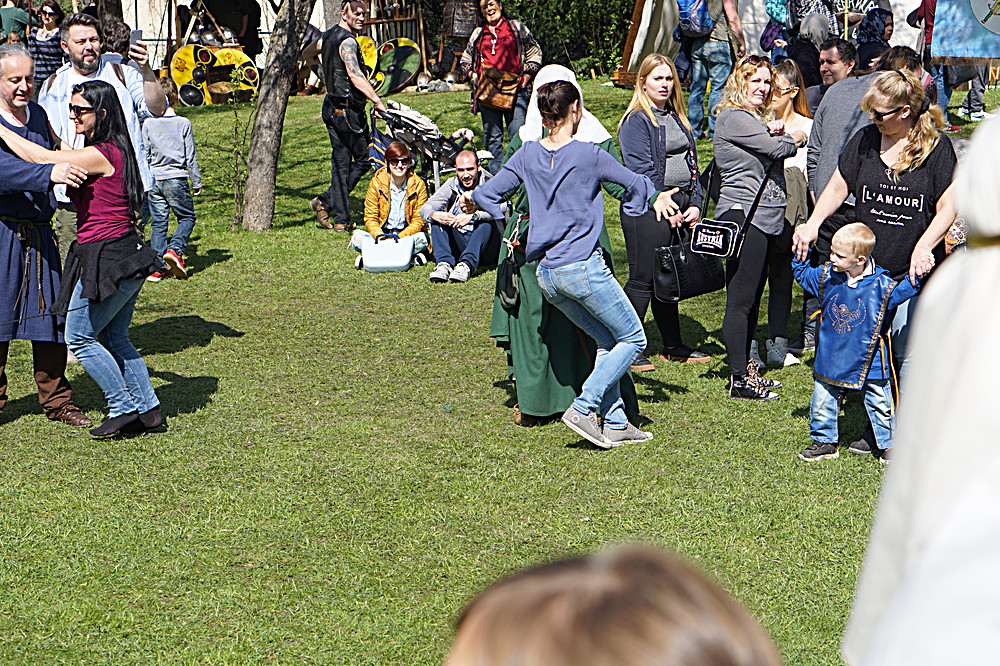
29 261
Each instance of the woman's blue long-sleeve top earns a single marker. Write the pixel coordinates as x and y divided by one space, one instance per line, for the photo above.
643 150
564 195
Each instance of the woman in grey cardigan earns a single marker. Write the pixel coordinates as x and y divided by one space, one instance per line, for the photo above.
748 141
657 142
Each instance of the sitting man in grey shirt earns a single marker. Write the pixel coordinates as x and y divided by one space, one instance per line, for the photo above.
458 234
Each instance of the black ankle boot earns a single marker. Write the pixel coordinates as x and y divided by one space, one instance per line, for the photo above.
114 425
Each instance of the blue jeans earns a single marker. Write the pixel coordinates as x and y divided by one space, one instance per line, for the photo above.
711 61
449 242
944 93
97 335
824 410
171 195
590 297
493 125
900 331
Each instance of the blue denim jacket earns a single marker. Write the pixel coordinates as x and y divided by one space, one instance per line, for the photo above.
852 321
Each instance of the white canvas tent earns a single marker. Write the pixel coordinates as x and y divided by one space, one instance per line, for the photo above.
655 20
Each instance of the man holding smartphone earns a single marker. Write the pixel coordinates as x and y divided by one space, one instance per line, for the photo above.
138 90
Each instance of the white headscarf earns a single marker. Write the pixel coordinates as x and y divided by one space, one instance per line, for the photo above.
591 130
929 589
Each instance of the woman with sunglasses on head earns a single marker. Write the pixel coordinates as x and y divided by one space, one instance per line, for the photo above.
657 142
44 42
899 169
790 107
750 150
392 204
109 262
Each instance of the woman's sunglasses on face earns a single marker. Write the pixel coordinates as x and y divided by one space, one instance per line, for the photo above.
404 161
881 115
78 110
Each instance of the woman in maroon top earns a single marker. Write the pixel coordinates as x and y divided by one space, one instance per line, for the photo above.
109 262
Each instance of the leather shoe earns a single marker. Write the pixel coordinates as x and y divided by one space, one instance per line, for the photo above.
72 416
322 215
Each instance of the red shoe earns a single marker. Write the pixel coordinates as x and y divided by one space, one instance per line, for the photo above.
175 263
157 276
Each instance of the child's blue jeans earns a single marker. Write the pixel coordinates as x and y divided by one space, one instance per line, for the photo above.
824 410
172 194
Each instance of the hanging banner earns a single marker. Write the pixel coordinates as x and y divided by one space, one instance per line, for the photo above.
967 29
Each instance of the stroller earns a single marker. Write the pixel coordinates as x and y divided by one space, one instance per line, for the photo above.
435 150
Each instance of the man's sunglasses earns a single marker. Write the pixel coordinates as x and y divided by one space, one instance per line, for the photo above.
78 110
880 115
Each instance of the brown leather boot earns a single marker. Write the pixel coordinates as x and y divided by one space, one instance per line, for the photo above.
322 215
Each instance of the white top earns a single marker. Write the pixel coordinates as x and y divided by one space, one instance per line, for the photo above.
799 159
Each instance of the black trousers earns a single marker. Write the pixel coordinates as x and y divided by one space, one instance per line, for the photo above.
349 159
642 236
779 284
746 276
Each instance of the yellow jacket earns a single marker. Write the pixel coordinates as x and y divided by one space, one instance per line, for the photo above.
377 202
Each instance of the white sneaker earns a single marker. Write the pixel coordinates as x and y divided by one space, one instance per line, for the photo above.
778 355
461 272
441 272
977 116
755 356
359 263
963 112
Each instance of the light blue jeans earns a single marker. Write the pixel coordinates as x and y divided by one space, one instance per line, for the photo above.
710 61
166 195
590 296
824 410
97 334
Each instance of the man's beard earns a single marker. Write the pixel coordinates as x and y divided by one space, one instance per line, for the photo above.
86 68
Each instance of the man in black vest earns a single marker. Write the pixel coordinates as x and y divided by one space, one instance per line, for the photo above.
347 91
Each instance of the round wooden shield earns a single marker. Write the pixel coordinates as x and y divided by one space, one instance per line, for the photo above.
398 63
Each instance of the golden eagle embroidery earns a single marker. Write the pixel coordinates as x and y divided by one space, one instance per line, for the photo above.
842 318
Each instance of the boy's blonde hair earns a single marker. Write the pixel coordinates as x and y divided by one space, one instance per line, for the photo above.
857 237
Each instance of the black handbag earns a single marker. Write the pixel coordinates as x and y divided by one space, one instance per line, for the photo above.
723 237
508 278
682 273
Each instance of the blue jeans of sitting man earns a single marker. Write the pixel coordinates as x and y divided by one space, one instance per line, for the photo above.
711 62
450 242
494 121
824 410
590 297
172 194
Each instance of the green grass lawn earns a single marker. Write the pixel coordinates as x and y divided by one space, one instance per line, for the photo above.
342 473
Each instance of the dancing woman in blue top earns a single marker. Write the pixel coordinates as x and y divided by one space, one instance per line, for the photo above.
563 182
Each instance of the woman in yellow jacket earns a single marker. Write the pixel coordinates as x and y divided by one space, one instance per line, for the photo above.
392 204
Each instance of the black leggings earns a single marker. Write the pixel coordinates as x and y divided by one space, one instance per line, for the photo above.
642 236
745 280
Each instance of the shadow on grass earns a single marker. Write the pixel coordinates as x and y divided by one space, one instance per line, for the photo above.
659 391
508 386
184 395
173 334
196 263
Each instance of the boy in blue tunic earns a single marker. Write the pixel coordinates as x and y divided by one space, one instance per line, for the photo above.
855 296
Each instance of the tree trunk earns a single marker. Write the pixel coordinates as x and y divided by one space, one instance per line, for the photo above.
331 12
265 139
110 10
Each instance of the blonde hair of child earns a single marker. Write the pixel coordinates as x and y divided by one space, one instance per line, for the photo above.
857 237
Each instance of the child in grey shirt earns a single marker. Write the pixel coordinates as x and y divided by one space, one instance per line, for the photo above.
169 142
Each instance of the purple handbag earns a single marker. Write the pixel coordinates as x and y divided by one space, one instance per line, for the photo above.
771 33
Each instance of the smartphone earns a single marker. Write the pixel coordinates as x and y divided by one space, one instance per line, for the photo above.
134 36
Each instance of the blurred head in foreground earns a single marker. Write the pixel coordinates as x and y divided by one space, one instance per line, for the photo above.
631 606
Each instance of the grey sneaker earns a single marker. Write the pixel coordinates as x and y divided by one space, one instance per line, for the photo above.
586 426
629 435
778 355
755 356
461 272
441 272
